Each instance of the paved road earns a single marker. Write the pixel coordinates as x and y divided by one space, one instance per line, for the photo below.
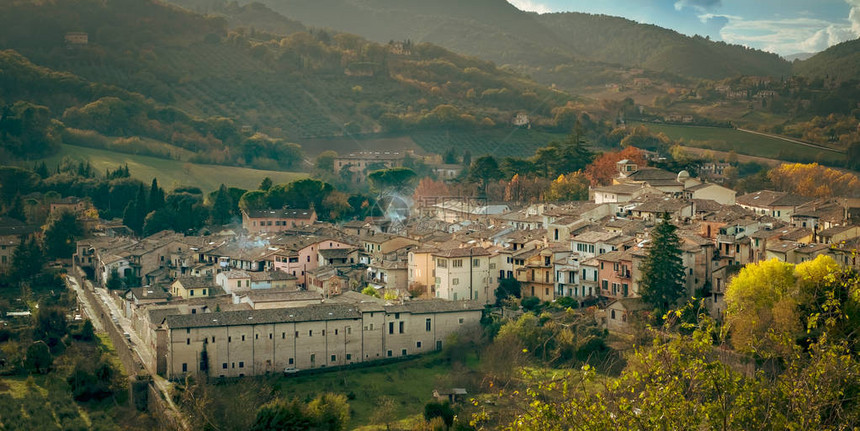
106 307
89 309
793 141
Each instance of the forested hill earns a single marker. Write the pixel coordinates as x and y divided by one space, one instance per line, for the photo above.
497 31
172 70
839 62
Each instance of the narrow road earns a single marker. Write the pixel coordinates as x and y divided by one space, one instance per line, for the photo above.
793 141
106 306
90 311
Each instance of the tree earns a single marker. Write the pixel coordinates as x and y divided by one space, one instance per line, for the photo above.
253 200
266 184
483 170
114 281
283 415
570 187
222 207
439 410
662 283
508 287
430 188
61 235
397 179
156 196
92 380
813 180
27 259
761 299
16 209
467 158
38 358
51 327
385 412
604 168
330 411
370 291
325 161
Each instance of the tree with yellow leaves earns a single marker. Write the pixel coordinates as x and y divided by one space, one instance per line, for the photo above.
813 180
570 187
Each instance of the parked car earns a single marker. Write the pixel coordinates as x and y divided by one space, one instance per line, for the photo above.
290 371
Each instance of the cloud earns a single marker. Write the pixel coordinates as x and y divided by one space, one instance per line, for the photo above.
854 16
784 36
530 6
699 5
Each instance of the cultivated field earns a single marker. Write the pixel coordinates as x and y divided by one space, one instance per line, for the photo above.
725 139
172 173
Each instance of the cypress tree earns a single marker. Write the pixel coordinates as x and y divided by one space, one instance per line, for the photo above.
156 196
662 283
222 207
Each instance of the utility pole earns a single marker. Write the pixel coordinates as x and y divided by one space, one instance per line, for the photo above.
471 294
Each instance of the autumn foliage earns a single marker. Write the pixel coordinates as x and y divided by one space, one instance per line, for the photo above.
603 169
813 180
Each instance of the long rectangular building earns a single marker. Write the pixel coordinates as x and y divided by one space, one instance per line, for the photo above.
256 342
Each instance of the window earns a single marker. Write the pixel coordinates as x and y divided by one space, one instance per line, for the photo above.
390 327
310 332
427 325
283 335
457 263
401 327
418 344
241 364
290 361
613 314
605 285
187 341
270 335
476 263
334 358
349 356
335 332
461 320
323 333
348 330
229 339
403 352
455 281
389 353
313 357
213 338
243 338
224 365
396 315
184 367
256 336
187 330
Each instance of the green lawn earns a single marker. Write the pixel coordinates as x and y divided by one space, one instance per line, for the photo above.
410 383
514 142
724 139
172 173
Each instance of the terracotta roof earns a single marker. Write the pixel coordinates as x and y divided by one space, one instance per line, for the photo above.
294 213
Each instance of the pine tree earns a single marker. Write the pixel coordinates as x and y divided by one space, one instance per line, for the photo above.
60 237
222 208
27 259
16 209
156 196
662 283
266 184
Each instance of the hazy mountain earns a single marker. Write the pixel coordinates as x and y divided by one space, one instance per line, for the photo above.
303 85
799 56
497 31
839 62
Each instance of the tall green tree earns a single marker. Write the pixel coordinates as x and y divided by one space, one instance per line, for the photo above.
61 236
222 207
283 415
266 184
16 209
394 178
484 170
27 259
156 196
662 283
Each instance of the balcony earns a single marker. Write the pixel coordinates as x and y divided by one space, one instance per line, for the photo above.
623 274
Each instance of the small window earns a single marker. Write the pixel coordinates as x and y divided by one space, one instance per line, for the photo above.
213 338
403 352
313 357
389 353
310 332
334 358
297 334
349 356
256 336
427 325
323 334
461 320
243 338
418 344
241 364
229 339
188 341
283 335
401 327
224 365
184 367
291 361
335 332
270 335
390 327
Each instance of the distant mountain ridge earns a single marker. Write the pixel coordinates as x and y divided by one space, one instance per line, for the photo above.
497 31
839 62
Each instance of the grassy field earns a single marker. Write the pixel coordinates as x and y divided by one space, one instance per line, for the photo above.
172 173
725 139
498 142
409 383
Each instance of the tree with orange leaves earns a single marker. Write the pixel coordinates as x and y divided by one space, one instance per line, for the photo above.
428 187
602 170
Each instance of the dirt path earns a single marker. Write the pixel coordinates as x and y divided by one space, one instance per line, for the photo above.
791 140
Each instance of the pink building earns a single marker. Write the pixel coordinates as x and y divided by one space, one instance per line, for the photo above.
300 256
256 221
616 275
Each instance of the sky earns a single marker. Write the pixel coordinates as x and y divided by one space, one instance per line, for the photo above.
782 26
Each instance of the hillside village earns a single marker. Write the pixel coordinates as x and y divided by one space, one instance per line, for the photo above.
291 286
